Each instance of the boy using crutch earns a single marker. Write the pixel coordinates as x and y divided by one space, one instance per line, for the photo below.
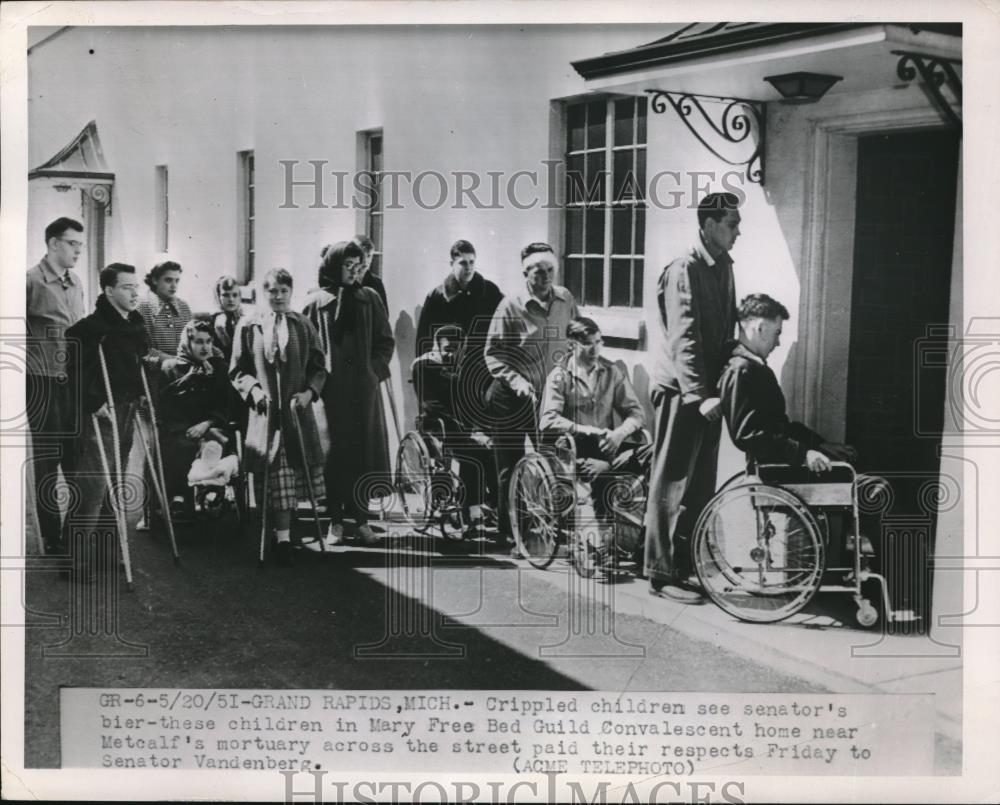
279 370
106 372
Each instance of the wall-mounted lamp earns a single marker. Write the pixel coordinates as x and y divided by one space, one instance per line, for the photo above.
62 188
802 87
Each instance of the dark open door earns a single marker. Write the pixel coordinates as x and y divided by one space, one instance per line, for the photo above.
902 278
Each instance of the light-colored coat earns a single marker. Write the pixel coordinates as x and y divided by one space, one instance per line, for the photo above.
302 368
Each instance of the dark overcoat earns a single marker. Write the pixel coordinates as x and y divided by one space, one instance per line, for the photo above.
359 440
302 369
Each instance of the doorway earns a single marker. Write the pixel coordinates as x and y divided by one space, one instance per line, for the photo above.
900 294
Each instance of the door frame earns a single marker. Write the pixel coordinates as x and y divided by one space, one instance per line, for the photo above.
820 385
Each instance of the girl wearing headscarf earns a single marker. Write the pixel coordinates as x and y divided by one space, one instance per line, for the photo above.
194 403
277 362
357 343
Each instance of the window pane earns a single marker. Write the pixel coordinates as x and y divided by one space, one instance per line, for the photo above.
637 282
596 121
641 121
595 230
624 110
575 123
596 176
621 230
593 282
624 181
574 231
574 180
621 291
640 230
640 172
573 279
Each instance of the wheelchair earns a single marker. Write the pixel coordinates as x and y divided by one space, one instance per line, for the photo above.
427 481
215 497
774 536
550 507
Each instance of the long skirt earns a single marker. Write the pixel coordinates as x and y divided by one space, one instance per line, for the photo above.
287 484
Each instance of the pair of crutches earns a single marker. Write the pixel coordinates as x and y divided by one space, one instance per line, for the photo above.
116 485
271 452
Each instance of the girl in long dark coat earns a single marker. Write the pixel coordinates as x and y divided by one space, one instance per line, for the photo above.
354 330
276 361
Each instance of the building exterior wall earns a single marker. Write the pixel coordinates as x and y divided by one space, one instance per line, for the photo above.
472 99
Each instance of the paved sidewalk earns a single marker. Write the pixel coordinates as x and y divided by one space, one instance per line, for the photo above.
823 647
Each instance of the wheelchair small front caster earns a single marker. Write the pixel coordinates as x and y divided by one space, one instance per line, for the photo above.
867 615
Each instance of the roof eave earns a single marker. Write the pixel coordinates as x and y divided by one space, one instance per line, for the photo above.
665 53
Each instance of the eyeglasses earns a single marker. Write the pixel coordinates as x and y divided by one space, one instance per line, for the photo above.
76 244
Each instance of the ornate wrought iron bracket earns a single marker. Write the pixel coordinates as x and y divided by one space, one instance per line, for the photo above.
101 194
936 72
736 121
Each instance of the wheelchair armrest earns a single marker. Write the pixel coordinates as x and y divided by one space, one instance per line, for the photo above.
840 471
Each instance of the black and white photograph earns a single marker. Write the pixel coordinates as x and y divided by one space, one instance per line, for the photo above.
500 402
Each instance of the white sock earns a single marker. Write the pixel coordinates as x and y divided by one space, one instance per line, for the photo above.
283 534
475 512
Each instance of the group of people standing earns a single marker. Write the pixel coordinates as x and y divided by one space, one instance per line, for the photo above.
202 377
491 369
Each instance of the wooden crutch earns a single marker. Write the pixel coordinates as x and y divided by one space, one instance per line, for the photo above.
161 481
114 486
308 473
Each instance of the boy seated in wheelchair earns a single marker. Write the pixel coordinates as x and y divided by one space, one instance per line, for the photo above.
582 399
752 400
754 405
436 382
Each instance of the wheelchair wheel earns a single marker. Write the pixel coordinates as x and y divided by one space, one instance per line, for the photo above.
758 552
534 510
627 499
586 556
415 479
241 498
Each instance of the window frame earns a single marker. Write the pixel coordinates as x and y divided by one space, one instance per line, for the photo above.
161 191
607 203
247 220
375 211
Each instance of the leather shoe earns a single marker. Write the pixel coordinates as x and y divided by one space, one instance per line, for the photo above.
681 592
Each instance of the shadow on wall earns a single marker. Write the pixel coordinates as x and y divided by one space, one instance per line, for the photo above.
794 405
405 333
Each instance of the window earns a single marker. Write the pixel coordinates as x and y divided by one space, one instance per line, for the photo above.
162 210
246 251
605 223
373 165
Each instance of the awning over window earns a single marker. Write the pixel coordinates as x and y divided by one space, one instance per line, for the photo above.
82 158
699 40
